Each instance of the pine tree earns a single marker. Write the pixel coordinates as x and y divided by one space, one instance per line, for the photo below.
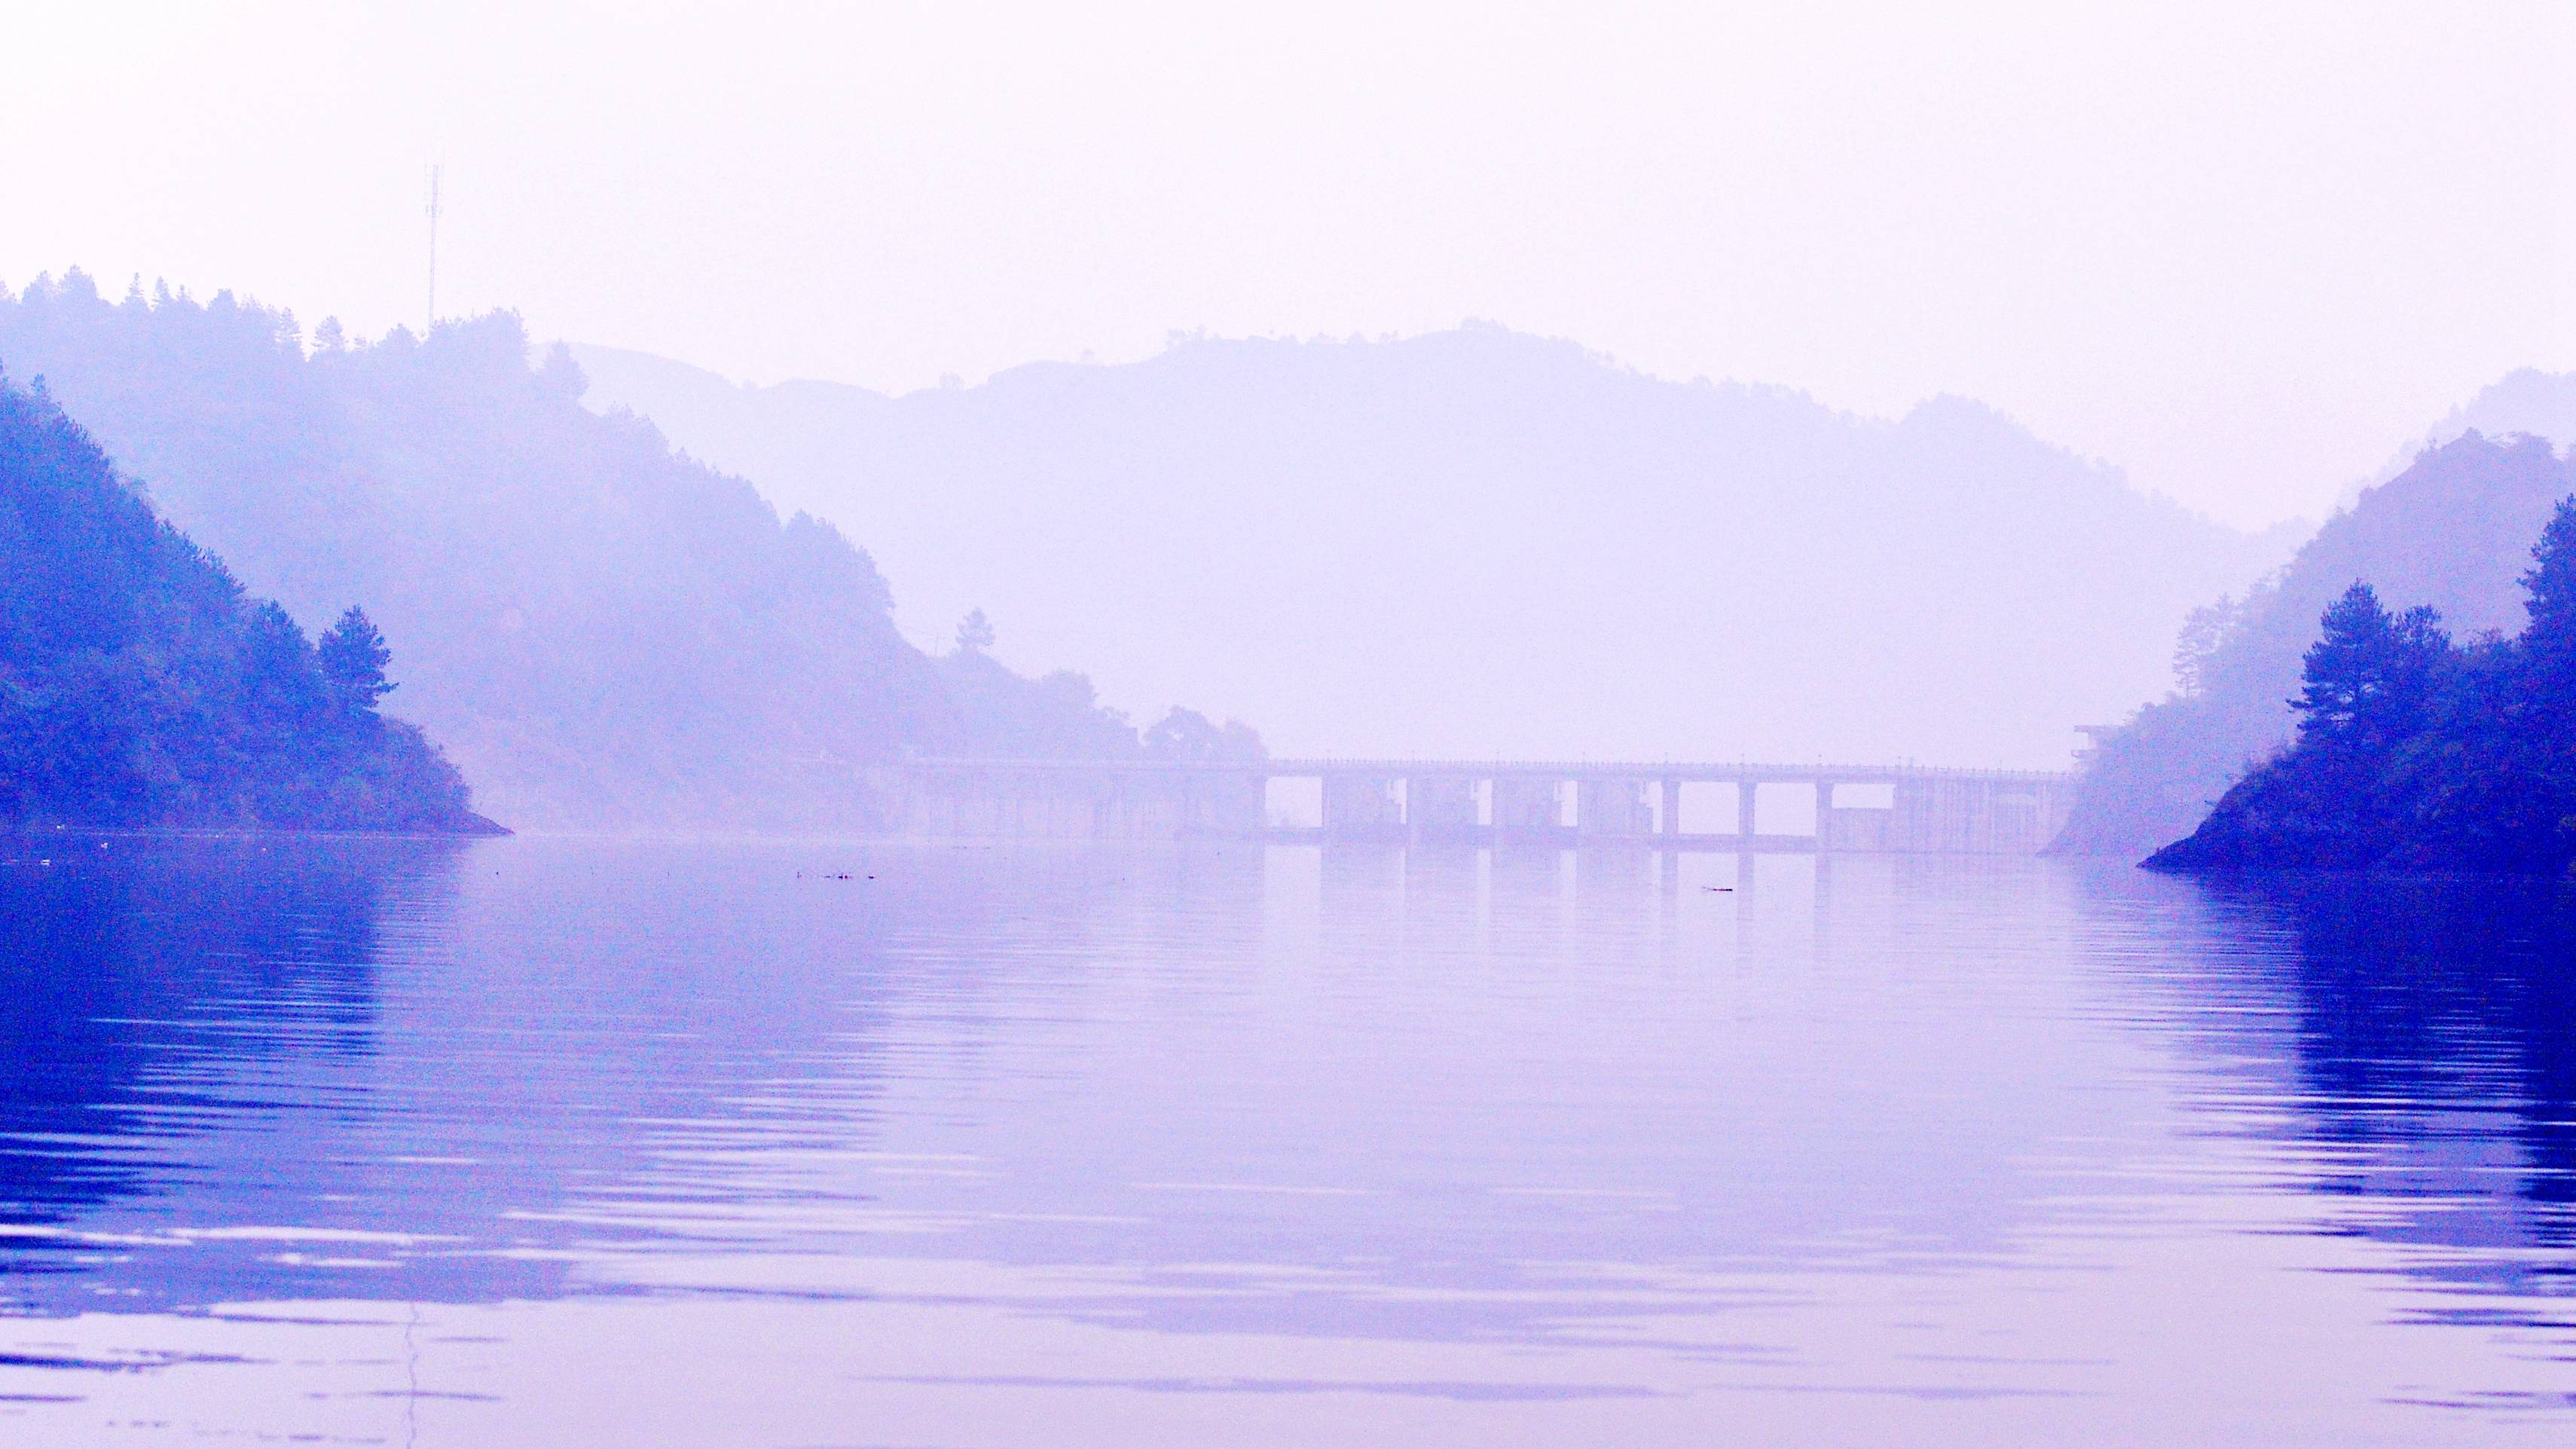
140 686
2544 716
2551 583
354 657
2370 676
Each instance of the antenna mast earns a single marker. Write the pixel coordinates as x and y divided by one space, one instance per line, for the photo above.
433 246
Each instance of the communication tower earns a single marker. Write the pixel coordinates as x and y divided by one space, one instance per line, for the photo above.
433 246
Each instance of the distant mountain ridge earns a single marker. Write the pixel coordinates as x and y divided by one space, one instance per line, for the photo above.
2527 400
603 634
2453 531
1479 542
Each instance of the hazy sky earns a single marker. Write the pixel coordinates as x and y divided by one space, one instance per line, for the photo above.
2243 250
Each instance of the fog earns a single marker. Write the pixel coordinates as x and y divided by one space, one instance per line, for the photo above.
1864 384
2242 252
1480 544
603 634
1415 724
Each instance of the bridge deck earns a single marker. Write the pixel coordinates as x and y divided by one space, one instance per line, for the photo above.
1615 802
1688 771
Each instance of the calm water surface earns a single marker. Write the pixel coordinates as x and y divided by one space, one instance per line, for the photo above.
544 1142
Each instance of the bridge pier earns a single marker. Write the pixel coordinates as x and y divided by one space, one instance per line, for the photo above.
1611 809
1928 811
1360 805
1524 808
1440 807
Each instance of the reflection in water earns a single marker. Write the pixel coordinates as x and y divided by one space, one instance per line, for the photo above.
197 1105
2428 1029
570 1141
129 965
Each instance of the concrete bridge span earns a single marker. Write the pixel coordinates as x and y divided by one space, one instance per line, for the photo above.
1665 805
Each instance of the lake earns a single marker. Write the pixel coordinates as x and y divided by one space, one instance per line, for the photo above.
582 1142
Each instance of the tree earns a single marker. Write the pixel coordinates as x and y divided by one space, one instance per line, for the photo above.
2543 711
2370 676
2551 581
1183 734
2415 754
974 633
2353 789
354 657
140 685
1189 736
2205 632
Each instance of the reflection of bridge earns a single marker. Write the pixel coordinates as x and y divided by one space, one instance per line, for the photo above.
1651 806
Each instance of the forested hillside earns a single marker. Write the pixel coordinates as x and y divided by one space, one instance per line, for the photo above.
1480 542
141 686
2453 532
2415 751
603 632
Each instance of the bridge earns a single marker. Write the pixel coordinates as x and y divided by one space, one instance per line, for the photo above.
1638 805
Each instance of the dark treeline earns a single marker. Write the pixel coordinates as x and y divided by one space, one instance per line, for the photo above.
602 632
2454 531
140 685
2417 751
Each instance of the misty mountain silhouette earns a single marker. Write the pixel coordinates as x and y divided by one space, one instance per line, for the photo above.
2454 530
140 685
601 633
1479 542
2525 400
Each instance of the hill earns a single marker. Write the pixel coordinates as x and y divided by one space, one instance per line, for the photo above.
606 634
141 686
2415 752
1479 542
2523 401
2452 532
